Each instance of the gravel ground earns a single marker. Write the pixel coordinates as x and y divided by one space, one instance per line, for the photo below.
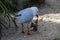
48 27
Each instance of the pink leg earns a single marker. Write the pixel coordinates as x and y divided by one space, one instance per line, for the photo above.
28 33
22 29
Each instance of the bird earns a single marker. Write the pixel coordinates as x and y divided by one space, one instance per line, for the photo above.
26 16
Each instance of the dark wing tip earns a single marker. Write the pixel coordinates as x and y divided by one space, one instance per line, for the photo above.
18 15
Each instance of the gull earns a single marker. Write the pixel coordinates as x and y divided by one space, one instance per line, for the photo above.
26 16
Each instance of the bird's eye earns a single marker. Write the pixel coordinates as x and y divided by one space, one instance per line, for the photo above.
18 15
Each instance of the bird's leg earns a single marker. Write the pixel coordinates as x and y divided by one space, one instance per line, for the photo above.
22 28
28 33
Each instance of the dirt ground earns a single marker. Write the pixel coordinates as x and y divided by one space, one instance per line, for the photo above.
48 26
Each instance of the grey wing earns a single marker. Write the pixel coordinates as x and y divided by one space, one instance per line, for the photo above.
26 16
29 18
